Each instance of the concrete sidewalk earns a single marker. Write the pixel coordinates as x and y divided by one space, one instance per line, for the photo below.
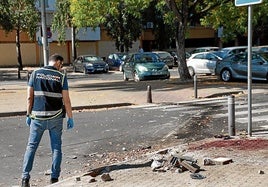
249 167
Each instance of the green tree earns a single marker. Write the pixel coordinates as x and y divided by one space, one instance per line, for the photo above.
122 19
234 20
21 16
123 27
164 32
62 19
5 17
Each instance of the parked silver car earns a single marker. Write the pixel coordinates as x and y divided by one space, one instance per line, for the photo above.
204 49
229 51
202 63
236 67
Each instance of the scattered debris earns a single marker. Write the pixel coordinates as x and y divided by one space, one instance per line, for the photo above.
156 164
261 172
197 176
92 179
217 161
225 137
222 161
72 157
190 167
178 163
208 162
48 172
145 147
78 179
106 177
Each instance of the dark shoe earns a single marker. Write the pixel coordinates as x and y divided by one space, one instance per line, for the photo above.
25 183
53 180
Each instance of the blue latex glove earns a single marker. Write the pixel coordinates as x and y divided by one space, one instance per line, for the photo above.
28 121
70 123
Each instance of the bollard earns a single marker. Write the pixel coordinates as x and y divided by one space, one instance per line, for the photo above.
231 115
195 86
149 94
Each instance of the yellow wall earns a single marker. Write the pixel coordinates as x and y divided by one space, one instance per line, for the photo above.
8 53
201 32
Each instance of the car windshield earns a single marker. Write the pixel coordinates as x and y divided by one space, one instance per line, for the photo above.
243 57
164 55
146 58
121 56
92 58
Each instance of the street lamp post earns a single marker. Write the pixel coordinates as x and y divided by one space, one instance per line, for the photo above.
44 31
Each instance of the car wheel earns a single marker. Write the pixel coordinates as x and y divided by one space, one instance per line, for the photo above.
191 71
125 76
226 75
136 77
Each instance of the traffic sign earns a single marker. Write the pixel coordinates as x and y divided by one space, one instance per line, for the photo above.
247 2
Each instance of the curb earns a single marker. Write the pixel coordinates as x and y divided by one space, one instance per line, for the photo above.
113 105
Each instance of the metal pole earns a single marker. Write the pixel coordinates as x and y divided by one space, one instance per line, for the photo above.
44 31
231 115
195 86
149 94
74 54
250 12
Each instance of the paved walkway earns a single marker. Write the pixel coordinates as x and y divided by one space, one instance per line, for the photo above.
249 166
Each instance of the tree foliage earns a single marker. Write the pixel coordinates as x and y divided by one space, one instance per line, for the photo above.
234 20
62 19
123 27
92 13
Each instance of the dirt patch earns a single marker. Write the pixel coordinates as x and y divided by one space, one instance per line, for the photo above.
240 144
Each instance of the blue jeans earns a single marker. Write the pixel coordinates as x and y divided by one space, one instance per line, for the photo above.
37 128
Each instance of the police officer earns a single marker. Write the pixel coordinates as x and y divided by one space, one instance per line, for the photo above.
47 102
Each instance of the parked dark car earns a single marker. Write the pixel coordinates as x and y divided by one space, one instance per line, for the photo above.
90 64
176 57
147 65
166 57
236 67
115 60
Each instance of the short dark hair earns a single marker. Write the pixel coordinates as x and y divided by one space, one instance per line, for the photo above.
55 58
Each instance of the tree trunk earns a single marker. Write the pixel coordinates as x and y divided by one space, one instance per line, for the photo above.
74 52
18 52
181 25
180 45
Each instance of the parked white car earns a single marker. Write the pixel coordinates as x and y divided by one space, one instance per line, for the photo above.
202 63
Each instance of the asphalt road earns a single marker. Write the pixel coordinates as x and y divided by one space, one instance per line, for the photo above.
95 133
